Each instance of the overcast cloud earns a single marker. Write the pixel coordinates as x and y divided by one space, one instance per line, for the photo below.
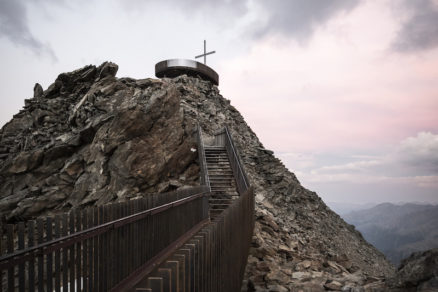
420 153
292 19
298 19
420 31
14 26
414 160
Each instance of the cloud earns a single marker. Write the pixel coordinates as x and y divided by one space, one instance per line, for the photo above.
413 162
297 18
14 26
427 181
420 31
351 167
232 10
420 152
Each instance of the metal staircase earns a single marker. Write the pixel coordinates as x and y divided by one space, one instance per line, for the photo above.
222 182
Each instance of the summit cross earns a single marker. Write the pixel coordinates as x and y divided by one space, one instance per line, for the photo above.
205 53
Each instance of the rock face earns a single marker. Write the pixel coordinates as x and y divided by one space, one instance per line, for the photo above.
88 139
92 138
418 272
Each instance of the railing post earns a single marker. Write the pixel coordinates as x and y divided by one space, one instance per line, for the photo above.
205 206
205 181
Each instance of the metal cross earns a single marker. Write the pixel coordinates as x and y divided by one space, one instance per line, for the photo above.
205 53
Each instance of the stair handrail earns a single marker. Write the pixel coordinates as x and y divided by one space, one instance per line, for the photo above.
205 179
240 173
10 259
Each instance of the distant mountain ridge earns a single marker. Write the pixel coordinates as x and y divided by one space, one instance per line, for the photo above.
343 208
398 230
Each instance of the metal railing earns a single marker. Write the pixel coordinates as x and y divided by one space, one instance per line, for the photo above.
214 259
236 165
205 180
164 241
96 248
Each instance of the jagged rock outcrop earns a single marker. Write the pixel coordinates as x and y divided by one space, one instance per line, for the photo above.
418 272
88 139
92 138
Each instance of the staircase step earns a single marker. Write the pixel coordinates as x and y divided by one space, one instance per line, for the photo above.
219 165
225 193
217 210
215 205
216 165
222 204
224 157
221 199
215 174
220 193
223 183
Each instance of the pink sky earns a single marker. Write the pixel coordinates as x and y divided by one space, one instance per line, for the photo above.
346 94
336 88
341 94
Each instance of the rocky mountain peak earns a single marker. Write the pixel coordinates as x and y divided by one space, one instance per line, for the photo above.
91 138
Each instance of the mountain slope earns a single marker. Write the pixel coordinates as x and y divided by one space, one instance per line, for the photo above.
398 230
92 138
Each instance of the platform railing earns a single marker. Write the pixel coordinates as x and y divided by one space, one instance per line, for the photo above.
224 139
96 248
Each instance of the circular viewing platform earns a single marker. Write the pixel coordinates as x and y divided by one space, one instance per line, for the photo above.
176 67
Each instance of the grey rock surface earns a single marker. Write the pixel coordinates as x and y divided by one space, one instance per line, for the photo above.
92 138
418 272
88 139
